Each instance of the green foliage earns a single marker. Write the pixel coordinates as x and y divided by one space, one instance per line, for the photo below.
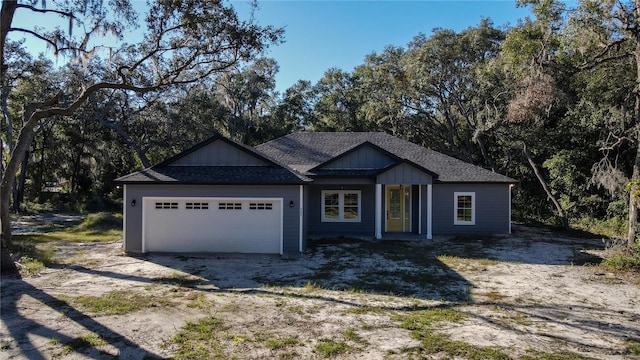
119 302
198 340
30 266
328 348
276 344
101 221
621 258
82 342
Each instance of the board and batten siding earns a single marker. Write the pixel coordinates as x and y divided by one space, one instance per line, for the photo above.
218 153
365 157
366 226
404 174
491 209
291 215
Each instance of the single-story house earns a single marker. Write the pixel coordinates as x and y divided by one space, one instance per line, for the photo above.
222 196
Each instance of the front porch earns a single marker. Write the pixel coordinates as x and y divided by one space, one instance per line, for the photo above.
403 212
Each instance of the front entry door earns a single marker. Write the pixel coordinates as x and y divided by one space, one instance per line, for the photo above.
398 208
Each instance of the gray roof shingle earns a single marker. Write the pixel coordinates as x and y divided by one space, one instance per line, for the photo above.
303 151
214 175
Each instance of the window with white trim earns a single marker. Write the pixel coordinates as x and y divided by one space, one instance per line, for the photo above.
260 206
341 206
464 208
167 205
229 206
197 206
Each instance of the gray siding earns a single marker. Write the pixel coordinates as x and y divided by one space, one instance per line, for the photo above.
404 174
491 209
218 153
365 157
291 215
344 181
366 226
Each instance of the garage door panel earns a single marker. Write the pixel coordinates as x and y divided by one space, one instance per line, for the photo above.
219 228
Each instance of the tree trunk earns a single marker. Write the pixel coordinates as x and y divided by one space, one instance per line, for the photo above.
635 177
561 214
8 177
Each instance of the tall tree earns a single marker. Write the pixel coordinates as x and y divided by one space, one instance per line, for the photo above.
184 43
605 33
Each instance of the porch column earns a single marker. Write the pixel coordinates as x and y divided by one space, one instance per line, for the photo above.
301 211
378 211
419 209
429 211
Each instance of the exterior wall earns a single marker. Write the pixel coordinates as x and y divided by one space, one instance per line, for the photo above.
365 227
365 157
404 174
291 215
218 153
491 209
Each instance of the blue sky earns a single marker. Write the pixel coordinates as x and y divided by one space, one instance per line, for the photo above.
324 34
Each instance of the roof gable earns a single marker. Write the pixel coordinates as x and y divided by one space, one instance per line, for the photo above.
217 151
363 156
217 160
304 151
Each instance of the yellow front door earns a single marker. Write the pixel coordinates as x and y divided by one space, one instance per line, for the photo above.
398 208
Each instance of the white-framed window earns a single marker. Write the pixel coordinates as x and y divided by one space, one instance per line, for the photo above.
464 208
341 205
229 206
197 206
167 205
260 206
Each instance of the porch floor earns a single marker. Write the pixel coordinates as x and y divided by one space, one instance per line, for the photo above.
363 236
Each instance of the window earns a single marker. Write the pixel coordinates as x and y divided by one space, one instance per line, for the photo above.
260 206
340 206
197 206
230 206
166 205
464 208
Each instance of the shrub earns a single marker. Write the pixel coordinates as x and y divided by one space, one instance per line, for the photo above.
622 258
101 221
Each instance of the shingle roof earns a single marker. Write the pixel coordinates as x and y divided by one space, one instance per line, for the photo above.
303 151
214 175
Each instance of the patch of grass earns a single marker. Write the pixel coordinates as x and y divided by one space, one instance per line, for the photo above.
421 323
494 296
71 236
83 342
431 343
101 221
179 279
364 310
634 347
197 300
120 302
197 340
424 319
622 258
540 355
29 266
328 348
276 344
351 335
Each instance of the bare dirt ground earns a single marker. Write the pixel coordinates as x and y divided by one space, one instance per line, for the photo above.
529 293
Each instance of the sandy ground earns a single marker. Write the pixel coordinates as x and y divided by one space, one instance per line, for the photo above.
535 295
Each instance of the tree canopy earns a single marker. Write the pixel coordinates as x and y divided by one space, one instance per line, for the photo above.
552 101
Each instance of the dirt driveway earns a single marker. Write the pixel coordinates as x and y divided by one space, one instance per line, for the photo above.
529 295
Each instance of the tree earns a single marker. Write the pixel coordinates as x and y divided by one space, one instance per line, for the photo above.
607 33
184 43
531 56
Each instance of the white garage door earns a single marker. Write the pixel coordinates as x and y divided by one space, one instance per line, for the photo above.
212 225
